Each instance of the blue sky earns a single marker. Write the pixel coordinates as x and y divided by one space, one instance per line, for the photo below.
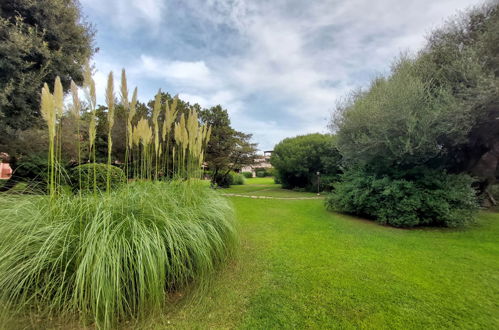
278 67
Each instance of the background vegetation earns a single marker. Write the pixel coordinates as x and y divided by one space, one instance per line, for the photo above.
40 40
297 161
432 122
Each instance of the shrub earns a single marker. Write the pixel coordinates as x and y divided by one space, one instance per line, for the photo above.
270 171
420 197
86 173
107 257
261 174
494 190
32 167
237 178
225 180
297 161
247 175
222 180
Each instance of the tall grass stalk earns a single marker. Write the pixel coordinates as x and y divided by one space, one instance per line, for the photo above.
47 110
110 122
89 86
130 133
126 107
75 110
59 109
155 114
170 116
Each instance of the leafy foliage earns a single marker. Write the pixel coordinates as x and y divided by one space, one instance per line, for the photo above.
264 172
225 180
237 178
227 149
40 40
406 125
436 111
86 172
414 198
438 108
261 174
297 161
247 175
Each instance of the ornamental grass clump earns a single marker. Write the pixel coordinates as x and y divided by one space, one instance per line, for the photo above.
112 256
110 248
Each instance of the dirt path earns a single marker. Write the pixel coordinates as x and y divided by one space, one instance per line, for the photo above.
269 197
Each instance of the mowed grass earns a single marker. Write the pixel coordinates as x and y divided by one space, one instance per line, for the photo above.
300 266
265 187
303 267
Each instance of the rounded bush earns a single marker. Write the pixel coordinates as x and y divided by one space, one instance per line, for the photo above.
261 174
247 175
224 180
109 257
430 197
86 174
237 178
297 160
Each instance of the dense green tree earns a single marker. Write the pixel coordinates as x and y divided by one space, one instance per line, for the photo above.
439 108
297 161
39 40
463 56
436 112
227 149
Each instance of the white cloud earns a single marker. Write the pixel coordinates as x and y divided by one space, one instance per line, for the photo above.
193 74
295 59
129 14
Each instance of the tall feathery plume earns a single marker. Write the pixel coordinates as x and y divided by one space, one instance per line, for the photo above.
89 85
48 113
124 90
59 109
110 121
178 137
58 97
126 105
144 133
183 139
192 132
155 114
131 115
165 137
206 138
132 139
75 110
170 116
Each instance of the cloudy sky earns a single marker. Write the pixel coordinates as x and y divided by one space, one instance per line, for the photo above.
277 66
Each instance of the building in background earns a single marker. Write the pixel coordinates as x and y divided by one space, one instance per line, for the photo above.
262 163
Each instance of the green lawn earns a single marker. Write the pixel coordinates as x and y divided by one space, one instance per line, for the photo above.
303 267
265 187
300 266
